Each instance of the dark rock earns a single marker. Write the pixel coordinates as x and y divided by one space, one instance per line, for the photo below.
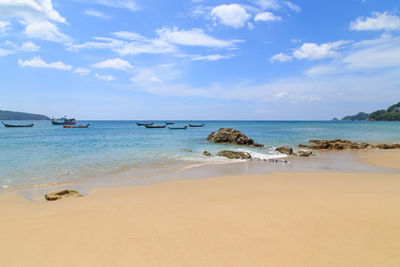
388 146
234 154
278 160
186 150
61 194
231 136
338 144
303 153
285 150
206 153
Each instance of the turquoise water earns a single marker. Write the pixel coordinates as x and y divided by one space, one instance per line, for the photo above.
47 154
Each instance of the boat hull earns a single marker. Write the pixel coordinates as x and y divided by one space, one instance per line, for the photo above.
17 126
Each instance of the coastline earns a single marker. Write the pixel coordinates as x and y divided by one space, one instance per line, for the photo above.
274 219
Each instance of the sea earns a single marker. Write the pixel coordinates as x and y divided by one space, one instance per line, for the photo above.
114 151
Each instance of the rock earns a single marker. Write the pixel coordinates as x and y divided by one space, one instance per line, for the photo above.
285 150
278 160
336 144
234 154
61 194
207 154
303 153
186 150
231 136
388 146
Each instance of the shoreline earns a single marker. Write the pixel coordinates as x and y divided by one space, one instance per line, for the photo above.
328 160
274 219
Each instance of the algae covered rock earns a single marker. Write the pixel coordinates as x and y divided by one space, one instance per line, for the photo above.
234 154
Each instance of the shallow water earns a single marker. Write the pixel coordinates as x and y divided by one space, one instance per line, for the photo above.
47 155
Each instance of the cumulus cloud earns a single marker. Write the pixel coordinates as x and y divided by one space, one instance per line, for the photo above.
4 52
97 14
232 15
117 63
314 51
378 21
82 71
268 4
107 78
37 62
267 16
38 17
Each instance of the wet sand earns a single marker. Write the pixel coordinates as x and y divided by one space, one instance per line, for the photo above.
275 219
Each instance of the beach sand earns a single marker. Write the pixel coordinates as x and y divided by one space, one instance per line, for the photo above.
276 219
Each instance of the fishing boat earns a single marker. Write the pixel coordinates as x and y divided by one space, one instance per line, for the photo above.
169 122
143 124
63 121
155 126
15 126
77 126
178 128
196 125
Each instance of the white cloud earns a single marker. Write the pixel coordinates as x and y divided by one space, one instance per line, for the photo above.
129 36
128 4
37 62
192 37
268 4
281 58
30 47
231 15
293 6
117 63
107 78
97 14
38 17
214 57
82 71
266 16
314 51
378 21
4 26
4 52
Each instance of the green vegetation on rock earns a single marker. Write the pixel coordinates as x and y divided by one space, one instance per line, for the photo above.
13 115
391 114
358 117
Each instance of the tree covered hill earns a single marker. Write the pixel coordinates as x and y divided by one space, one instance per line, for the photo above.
14 115
390 114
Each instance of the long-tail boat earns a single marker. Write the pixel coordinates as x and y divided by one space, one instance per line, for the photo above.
178 128
15 126
196 125
77 126
155 126
143 124
63 121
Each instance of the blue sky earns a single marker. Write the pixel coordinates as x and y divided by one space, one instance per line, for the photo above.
199 59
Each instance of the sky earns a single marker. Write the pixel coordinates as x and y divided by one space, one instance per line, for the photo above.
199 59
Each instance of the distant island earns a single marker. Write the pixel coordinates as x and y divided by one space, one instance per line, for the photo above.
14 115
390 114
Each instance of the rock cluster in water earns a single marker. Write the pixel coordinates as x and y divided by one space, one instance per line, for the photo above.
234 154
231 136
338 144
61 194
285 150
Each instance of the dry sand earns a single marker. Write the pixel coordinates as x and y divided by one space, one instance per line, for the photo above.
281 219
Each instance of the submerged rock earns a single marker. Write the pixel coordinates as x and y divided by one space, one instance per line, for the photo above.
186 150
206 153
234 154
231 136
61 194
285 150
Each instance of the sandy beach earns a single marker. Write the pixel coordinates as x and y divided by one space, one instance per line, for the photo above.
277 219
